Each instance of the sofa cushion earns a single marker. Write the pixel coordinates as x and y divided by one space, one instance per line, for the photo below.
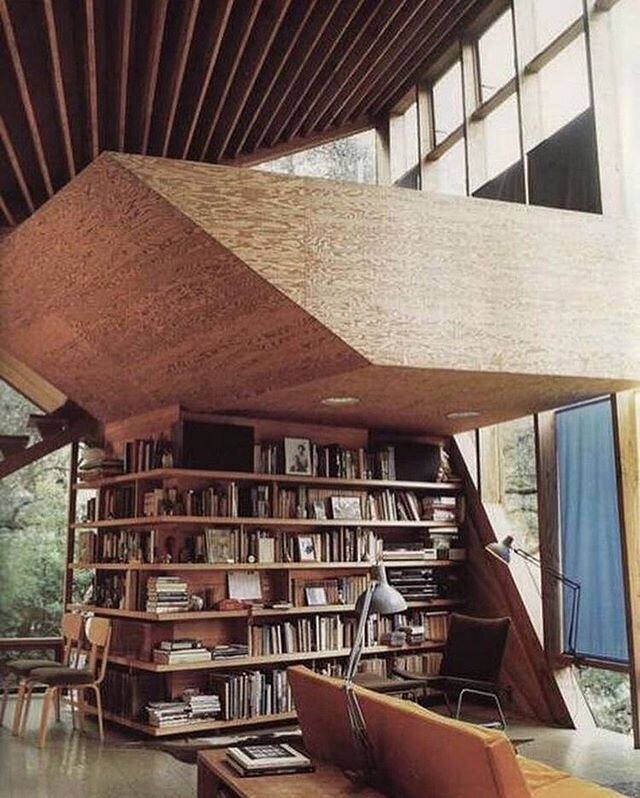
545 782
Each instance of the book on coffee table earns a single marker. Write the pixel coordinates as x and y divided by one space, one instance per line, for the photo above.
268 759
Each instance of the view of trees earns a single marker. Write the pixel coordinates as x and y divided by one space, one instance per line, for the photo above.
33 507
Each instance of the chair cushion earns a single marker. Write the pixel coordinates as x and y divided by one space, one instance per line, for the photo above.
22 667
56 676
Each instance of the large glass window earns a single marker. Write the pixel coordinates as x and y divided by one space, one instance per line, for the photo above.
590 529
448 108
403 145
551 17
33 517
500 142
351 159
448 173
496 56
608 695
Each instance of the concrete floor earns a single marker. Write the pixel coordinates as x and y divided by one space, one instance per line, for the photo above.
75 765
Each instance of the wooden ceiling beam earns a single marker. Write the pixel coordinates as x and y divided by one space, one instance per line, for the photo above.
336 114
402 78
25 96
230 76
220 22
15 165
6 212
282 50
387 60
241 89
370 37
342 21
189 17
125 23
305 47
92 78
58 87
151 73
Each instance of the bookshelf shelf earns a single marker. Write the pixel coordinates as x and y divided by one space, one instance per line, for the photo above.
196 726
141 615
290 523
227 663
316 565
161 474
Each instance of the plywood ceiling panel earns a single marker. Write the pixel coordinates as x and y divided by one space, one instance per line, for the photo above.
146 283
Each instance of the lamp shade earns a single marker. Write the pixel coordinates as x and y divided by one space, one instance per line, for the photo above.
502 550
385 599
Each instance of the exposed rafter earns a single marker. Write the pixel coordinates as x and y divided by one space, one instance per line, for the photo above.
214 80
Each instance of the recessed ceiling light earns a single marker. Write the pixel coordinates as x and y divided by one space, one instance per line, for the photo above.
463 414
340 401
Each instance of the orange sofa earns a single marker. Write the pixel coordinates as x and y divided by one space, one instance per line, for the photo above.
420 754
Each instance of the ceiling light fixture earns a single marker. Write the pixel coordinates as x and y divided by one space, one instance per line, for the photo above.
340 401
463 414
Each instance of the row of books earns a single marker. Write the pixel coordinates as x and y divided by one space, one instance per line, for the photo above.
115 545
233 500
144 454
251 694
330 461
424 664
344 590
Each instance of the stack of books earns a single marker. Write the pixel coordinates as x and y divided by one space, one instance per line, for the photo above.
167 594
175 652
271 759
167 713
93 469
202 706
230 650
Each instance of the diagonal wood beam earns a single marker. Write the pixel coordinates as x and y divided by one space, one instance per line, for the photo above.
75 431
7 212
339 74
58 86
310 46
25 94
404 76
177 75
92 79
239 93
15 164
265 86
153 63
327 53
238 53
123 74
338 113
222 13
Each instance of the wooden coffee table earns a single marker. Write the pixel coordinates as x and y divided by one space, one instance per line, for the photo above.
217 778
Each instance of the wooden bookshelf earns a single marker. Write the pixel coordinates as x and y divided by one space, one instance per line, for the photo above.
137 632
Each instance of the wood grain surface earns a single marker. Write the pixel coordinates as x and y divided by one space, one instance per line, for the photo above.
148 282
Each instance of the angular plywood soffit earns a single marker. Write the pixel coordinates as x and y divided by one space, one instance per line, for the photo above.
148 282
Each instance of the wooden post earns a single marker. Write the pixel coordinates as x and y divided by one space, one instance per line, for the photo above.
71 518
626 430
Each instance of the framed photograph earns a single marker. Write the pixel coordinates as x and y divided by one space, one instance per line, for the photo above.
297 456
315 595
346 508
318 509
306 548
244 585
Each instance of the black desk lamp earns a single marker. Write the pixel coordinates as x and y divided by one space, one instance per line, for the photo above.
383 599
502 551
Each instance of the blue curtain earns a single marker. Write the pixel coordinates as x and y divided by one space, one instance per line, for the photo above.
590 528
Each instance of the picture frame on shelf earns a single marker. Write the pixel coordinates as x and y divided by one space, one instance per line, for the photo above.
315 595
244 585
306 548
297 456
319 510
346 508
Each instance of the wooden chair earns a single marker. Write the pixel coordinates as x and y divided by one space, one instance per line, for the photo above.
98 636
21 669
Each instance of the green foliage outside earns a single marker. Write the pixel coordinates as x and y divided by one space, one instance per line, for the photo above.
33 507
609 698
